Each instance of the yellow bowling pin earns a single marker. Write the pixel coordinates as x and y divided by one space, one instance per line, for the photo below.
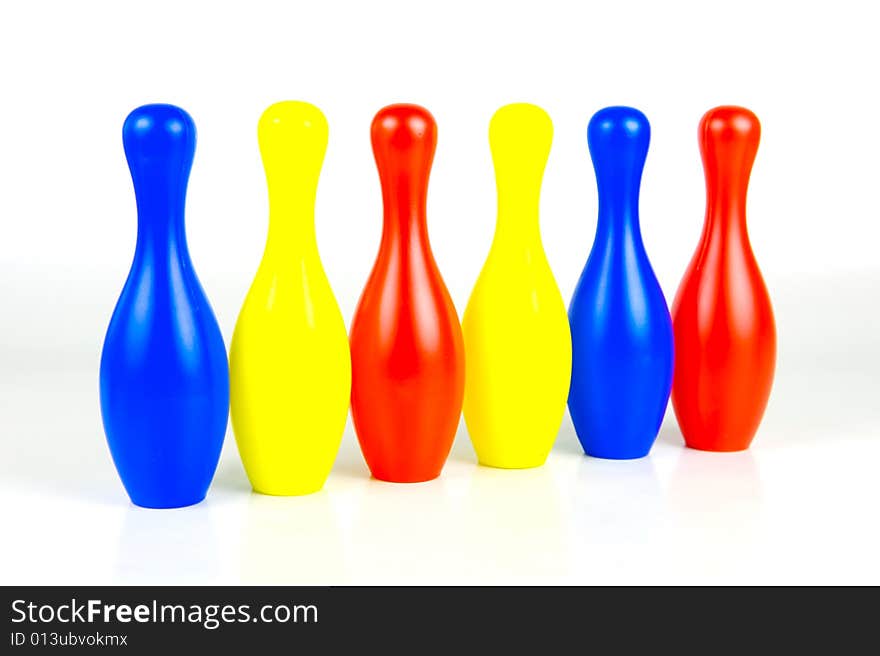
289 362
516 335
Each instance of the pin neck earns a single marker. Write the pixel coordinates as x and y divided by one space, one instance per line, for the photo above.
725 210
619 210
292 221
290 239
406 239
518 214
618 164
728 154
291 216
726 202
161 229
517 230
722 227
404 212
618 226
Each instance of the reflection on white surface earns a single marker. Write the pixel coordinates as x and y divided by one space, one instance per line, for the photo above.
512 522
619 501
715 506
290 541
159 547
398 529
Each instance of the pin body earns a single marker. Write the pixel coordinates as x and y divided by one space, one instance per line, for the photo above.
289 360
516 333
164 379
406 345
620 323
725 334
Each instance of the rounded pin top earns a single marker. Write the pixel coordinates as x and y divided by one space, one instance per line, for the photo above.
619 125
292 129
730 123
404 138
521 115
403 125
618 138
158 130
521 131
729 137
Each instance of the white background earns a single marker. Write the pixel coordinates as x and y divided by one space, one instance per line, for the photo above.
800 506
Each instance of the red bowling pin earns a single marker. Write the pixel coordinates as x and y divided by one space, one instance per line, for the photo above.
725 335
407 353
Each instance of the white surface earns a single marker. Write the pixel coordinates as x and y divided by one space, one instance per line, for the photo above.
801 506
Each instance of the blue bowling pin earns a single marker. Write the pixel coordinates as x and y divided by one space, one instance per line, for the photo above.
164 375
620 326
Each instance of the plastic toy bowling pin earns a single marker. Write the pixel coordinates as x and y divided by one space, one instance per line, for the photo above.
515 329
289 361
164 379
621 331
725 335
406 345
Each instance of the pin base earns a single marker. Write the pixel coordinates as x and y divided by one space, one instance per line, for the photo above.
613 455
167 504
513 463
386 477
719 448
285 491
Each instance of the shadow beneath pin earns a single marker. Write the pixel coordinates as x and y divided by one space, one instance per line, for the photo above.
462 450
669 431
230 476
567 439
350 461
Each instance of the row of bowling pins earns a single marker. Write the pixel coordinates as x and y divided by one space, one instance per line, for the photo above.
410 368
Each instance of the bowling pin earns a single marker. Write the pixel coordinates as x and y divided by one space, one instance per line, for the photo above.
516 333
406 345
725 335
620 326
289 364
164 379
